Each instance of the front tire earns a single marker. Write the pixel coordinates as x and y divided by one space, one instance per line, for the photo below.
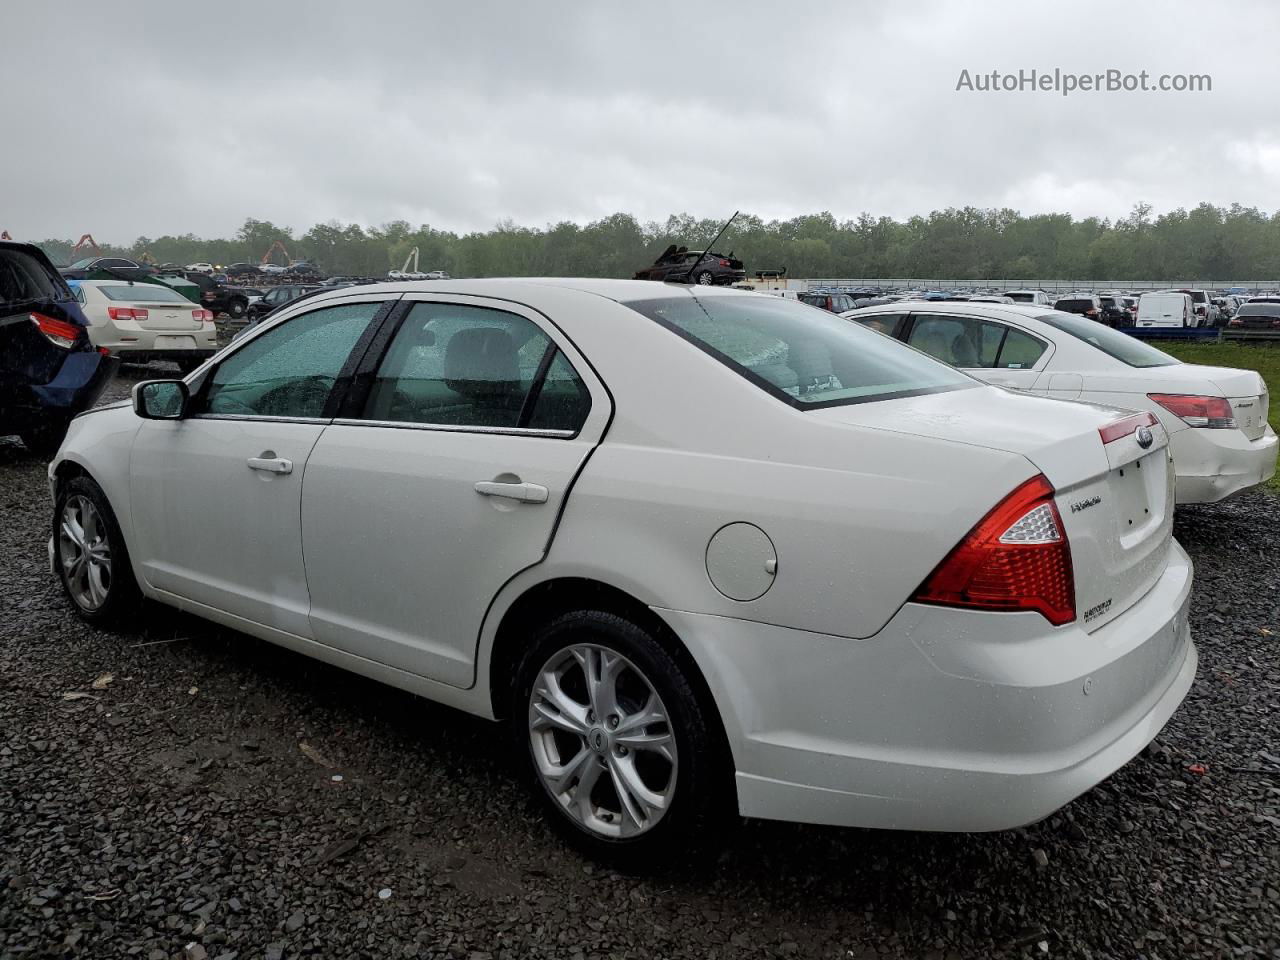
620 751
91 557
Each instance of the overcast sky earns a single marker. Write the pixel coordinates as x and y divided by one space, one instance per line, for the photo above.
128 119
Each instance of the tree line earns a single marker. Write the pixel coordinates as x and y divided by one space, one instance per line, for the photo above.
1207 242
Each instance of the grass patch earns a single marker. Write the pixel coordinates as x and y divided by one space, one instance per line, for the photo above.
1264 358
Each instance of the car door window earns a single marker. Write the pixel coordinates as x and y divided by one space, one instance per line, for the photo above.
290 370
466 366
1020 351
960 341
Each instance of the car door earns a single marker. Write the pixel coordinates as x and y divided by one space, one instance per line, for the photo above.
216 495
443 479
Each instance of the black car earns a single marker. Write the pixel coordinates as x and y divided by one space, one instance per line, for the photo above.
1085 304
278 297
1256 315
1115 313
243 270
110 268
218 297
49 371
682 265
303 269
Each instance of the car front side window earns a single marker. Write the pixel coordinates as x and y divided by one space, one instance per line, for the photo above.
290 370
464 366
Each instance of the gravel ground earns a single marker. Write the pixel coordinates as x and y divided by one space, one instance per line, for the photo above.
174 811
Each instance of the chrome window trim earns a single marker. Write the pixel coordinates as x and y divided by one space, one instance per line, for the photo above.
457 428
257 417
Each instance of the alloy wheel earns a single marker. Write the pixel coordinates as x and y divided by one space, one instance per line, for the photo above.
602 741
84 552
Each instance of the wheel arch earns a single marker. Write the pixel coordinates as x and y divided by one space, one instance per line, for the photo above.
542 602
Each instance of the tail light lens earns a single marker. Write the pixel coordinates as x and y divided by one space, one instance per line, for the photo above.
58 332
1126 425
1091 312
1212 412
724 263
204 316
127 313
1016 558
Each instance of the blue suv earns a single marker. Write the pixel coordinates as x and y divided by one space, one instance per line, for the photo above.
49 371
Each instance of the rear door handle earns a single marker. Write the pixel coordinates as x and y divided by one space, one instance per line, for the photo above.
270 464
524 492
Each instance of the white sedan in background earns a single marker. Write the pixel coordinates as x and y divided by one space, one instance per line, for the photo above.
705 553
1216 416
140 322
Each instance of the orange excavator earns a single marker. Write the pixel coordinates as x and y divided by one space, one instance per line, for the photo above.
86 239
276 245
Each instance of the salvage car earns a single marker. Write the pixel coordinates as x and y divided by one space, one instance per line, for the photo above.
682 265
142 322
219 297
49 369
610 514
1256 316
277 297
1216 417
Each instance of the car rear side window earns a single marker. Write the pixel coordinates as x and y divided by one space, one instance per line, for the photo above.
24 278
808 358
1019 351
289 370
466 366
959 341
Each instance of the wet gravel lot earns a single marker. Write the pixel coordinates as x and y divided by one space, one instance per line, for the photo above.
219 797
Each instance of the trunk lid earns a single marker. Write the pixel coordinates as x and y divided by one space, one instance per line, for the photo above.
1115 499
1246 391
168 316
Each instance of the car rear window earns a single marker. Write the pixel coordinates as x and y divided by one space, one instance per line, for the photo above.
25 277
1074 305
1259 310
1121 346
808 358
143 293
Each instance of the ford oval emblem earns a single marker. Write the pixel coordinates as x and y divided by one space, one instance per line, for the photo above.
1145 439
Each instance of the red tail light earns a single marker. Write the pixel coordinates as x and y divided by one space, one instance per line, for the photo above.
1091 312
127 313
58 332
1212 412
202 315
1016 558
724 263
1126 425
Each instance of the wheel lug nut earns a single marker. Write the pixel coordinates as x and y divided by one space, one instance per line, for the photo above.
622 751
613 720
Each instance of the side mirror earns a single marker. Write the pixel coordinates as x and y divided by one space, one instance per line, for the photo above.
160 399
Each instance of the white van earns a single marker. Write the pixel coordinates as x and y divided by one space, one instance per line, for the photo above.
1166 310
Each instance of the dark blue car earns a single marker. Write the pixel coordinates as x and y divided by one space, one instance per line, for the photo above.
49 371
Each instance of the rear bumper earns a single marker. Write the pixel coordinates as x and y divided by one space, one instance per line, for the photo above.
945 720
1211 465
76 387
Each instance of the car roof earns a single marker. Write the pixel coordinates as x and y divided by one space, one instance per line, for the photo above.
994 311
514 288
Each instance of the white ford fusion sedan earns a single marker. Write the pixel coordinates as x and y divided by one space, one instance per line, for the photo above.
1216 416
703 552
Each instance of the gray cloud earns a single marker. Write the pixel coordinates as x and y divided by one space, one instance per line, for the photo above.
148 118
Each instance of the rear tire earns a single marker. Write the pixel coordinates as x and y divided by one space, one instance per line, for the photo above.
656 780
704 279
236 309
91 557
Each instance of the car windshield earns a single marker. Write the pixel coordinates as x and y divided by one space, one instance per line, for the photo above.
1114 344
24 278
143 293
809 358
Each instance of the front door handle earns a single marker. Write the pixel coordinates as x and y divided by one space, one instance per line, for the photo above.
270 464
524 492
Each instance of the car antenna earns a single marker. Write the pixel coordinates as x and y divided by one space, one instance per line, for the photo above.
698 262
